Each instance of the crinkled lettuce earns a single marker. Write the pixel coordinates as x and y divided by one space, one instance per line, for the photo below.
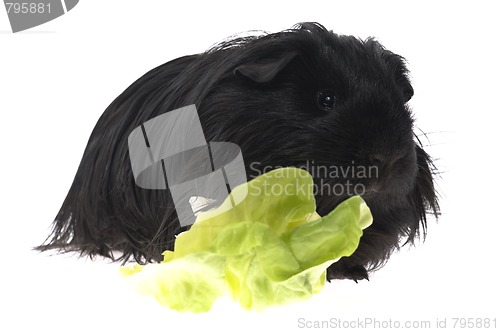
271 248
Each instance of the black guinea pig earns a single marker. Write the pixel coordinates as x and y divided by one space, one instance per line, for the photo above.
304 97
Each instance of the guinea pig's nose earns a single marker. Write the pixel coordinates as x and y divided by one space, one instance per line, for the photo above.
383 163
380 160
384 160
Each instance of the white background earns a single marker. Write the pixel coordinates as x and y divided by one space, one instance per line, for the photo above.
57 79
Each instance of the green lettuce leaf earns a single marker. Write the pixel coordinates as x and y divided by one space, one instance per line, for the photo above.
271 248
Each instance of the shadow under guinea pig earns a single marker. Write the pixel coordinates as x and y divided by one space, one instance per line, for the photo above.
303 97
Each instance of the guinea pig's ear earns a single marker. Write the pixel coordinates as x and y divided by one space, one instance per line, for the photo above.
397 64
265 70
406 87
402 77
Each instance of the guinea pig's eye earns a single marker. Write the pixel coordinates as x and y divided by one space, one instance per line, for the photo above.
326 100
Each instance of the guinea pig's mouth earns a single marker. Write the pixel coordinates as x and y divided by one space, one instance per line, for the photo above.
331 193
370 192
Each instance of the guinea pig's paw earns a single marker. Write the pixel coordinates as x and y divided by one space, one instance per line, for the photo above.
355 272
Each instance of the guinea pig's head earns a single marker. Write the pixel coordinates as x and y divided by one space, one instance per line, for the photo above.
334 104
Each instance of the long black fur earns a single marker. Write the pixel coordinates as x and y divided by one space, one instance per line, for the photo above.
261 93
